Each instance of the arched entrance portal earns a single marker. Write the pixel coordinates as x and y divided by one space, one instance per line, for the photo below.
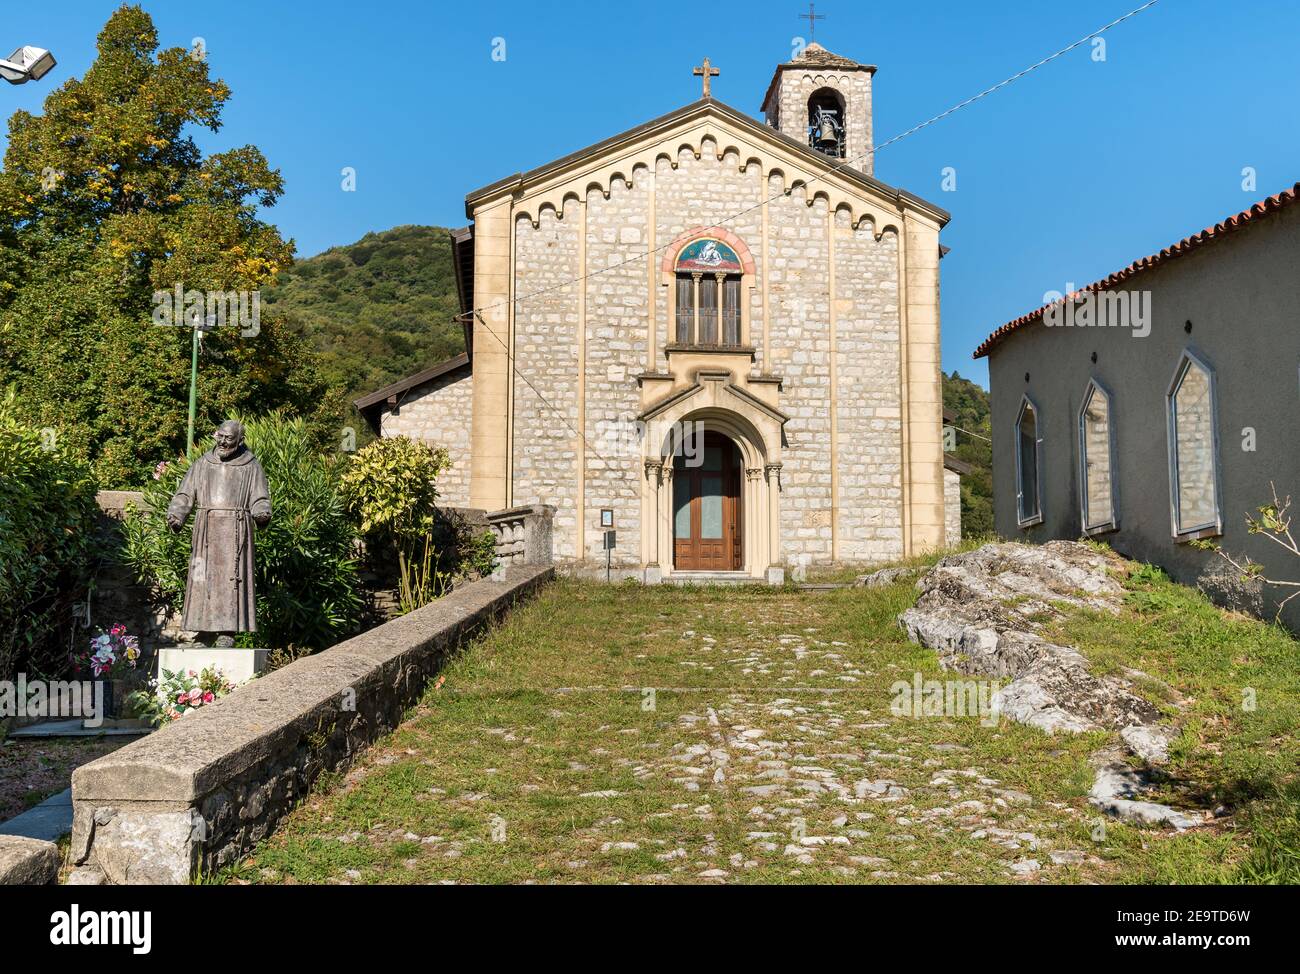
708 532
744 475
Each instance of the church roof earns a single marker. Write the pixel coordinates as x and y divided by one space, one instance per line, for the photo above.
1217 232
759 131
814 56
373 403
959 467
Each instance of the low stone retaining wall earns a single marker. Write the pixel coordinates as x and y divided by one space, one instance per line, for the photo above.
28 862
197 795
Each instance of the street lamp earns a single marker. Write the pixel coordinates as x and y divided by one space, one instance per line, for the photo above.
26 64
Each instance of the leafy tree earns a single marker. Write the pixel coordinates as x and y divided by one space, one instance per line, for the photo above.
970 403
376 310
105 200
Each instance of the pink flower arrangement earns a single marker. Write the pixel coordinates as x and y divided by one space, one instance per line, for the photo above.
111 654
160 471
179 693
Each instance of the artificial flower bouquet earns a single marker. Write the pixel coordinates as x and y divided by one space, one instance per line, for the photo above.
112 655
176 694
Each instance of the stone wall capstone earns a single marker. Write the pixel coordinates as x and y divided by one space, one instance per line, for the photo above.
28 862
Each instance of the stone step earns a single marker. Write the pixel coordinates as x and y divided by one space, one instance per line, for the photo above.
712 578
50 820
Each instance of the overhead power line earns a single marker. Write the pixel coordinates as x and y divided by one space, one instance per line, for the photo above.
869 154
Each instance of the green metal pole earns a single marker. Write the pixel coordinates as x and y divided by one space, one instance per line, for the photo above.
194 382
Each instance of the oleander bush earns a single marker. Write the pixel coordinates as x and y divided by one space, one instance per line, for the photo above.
47 545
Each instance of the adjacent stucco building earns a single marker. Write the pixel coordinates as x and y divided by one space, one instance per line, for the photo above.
1156 407
718 334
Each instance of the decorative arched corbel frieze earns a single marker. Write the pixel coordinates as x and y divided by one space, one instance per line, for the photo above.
628 169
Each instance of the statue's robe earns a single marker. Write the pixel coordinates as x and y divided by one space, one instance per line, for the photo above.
226 497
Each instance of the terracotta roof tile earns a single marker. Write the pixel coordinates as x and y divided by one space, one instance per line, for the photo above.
1246 217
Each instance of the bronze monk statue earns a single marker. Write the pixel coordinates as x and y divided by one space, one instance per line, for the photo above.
226 488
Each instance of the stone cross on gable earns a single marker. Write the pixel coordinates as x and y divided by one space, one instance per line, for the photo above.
706 71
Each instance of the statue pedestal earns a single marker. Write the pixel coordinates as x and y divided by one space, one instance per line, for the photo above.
237 665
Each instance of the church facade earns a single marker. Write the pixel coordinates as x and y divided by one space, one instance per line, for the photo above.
717 335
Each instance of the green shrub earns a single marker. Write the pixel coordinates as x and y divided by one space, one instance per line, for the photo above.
307 581
47 541
391 489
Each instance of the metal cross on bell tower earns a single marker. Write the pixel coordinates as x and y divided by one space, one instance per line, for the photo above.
706 71
811 16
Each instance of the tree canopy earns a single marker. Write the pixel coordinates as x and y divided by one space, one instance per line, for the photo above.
376 310
106 199
970 403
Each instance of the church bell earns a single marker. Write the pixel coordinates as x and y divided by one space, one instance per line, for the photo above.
826 133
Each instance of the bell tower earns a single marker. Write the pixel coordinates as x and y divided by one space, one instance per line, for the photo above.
823 100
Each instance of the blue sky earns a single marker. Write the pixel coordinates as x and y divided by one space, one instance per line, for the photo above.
1067 175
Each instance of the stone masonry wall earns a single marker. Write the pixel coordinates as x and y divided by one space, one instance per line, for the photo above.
869 412
797 86
703 192
438 413
546 360
617 301
951 508
800 326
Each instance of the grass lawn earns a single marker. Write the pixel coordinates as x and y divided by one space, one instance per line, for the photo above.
629 734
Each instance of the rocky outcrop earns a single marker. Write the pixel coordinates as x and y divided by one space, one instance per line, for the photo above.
885 576
1117 787
983 612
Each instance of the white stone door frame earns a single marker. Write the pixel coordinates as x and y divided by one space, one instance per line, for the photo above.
717 406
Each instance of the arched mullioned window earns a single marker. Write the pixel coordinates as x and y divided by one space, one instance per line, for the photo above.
1097 460
708 277
1193 416
1029 465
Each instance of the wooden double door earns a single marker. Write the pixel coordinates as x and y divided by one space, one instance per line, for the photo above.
706 507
